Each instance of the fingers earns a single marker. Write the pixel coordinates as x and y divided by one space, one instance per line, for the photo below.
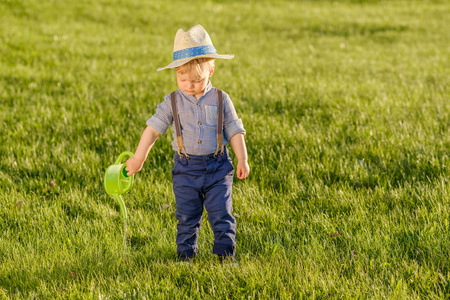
130 172
242 173
133 166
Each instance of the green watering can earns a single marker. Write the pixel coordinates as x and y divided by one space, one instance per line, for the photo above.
117 182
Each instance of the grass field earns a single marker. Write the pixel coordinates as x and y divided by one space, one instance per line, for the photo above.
347 110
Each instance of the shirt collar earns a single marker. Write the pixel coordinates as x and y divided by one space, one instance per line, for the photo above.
208 87
192 98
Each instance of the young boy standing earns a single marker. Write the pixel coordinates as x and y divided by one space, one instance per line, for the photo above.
204 121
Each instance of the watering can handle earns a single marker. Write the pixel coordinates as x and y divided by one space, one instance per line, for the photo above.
122 155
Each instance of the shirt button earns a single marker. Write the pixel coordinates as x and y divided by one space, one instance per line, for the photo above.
199 123
198 104
199 141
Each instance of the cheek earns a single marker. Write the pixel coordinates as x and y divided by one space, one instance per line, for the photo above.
182 84
202 84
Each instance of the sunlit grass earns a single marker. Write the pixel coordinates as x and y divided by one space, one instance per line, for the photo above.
347 112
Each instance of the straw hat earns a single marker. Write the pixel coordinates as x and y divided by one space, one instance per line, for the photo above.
195 43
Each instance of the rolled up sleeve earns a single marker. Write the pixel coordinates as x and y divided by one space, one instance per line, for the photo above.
162 118
232 124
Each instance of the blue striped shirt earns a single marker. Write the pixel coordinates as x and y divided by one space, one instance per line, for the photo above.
198 120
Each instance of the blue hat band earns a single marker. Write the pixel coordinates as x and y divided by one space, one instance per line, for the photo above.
195 51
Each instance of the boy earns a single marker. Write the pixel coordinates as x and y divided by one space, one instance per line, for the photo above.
204 120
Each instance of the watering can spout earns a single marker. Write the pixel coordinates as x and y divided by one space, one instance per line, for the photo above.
123 209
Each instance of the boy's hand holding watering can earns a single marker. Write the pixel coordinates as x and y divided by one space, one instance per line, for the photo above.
134 165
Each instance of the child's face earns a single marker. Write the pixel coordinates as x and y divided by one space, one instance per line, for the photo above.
192 83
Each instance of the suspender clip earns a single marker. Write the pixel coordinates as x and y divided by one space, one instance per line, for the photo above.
181 147
219 145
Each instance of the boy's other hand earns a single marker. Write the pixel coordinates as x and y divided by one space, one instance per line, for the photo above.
242 169
134 165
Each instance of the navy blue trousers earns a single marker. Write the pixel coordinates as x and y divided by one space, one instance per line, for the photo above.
204 181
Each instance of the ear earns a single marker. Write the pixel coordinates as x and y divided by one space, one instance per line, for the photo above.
211 72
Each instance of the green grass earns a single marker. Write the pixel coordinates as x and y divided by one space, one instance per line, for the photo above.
347 110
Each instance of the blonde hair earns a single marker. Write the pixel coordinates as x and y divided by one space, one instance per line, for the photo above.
198 64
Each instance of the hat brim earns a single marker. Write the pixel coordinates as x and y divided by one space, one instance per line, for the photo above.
181 62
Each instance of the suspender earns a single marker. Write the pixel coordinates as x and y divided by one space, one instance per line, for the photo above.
176 119
219 123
